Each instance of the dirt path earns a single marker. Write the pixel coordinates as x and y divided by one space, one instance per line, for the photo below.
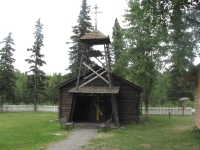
77 139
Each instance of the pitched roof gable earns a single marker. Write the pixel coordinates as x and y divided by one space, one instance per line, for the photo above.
97 67
191 74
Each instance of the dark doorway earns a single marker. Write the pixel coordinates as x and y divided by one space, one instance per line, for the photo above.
92 108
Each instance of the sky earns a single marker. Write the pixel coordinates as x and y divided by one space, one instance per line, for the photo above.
58 16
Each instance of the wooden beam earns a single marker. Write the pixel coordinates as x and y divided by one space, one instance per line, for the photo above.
72 111
92 79
191 74
96 73
60 103
93 73
100 62
106 58
187 78
79 73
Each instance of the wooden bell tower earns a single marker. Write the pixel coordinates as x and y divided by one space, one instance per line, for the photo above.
89 40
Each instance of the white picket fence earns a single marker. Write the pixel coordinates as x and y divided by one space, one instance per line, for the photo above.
13 108
167 110
152 110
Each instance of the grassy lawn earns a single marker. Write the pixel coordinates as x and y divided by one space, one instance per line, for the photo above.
33 131
29 130
162 133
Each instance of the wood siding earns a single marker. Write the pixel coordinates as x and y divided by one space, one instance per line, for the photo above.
128 102
197 98
66 100
128 99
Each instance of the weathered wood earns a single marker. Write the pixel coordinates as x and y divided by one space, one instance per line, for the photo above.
100 62
79 72
60 101
107 66
195 73
72 111
95 72
197 98
95 38
127 100
115 110
92 79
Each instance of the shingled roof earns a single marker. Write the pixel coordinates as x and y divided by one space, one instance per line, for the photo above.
96 90
95 38
191 73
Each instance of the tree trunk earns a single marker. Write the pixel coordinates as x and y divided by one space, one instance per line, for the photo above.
35 96
146 111
35 103
146 119
1 105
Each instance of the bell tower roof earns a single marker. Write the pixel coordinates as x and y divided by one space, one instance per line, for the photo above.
95 38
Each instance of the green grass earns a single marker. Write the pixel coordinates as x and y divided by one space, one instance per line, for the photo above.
29 130
33 131
162 133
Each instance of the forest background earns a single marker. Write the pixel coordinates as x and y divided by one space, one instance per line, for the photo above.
155 49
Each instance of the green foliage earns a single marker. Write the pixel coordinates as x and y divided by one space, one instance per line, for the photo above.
189 104
145 35
183 46
83 27
117 43
7 70
36 80
160 33
29 130
21 93
53 94
117 47
159 92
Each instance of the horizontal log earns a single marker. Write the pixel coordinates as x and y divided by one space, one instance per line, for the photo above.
131 101
66 103
64 114
66 98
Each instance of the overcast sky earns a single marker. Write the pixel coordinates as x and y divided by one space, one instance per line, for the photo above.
58 17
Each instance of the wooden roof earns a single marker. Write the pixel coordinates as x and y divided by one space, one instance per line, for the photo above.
96 90
95 38
191 74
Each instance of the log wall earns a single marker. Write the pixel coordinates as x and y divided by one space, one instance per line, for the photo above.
128 99
197 98
66 100
128 102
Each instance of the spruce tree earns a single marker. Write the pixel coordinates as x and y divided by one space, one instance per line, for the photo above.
183 37
117 47
7 70
117 43
36 76
84 27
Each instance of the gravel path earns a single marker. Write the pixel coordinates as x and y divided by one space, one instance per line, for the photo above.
77 138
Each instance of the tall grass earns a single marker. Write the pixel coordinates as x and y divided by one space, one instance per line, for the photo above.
161 133
28 130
